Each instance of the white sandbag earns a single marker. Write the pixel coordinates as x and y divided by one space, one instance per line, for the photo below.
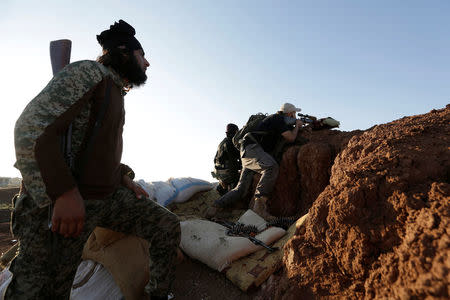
148 187
94 282
330 122
207 241
175 189
186 187
163 192
252 218
5 279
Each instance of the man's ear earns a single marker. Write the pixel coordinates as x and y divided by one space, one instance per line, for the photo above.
125 54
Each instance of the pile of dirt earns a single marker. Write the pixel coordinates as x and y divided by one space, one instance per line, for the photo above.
380 227
304 170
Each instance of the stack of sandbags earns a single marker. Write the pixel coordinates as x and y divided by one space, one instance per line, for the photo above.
208 242
174 190
253 270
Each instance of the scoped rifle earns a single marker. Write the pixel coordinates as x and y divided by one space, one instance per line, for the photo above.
247 231
307 119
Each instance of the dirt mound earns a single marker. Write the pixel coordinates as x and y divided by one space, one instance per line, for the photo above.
380 228
305 170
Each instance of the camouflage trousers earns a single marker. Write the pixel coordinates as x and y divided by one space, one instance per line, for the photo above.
46 265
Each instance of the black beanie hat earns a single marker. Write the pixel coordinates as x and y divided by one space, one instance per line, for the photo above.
232 128
119 34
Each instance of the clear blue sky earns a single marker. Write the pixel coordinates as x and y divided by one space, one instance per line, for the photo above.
215 62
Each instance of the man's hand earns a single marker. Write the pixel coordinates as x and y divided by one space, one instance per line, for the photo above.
298 123
136 188
68 214
291 135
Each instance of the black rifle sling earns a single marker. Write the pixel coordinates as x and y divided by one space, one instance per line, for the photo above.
95 129
68 150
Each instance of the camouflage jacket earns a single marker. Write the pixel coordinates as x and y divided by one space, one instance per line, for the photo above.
72 96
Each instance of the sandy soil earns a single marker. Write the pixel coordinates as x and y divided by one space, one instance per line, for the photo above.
197 281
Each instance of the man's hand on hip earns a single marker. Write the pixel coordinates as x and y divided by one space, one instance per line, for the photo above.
68 214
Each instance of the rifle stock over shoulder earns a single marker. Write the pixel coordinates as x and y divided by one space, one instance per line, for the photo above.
60 54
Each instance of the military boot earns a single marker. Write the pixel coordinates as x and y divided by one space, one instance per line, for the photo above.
260 208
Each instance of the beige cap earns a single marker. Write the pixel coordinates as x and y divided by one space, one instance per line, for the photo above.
288 107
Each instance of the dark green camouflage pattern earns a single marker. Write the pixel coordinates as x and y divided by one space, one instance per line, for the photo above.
63 91
47 262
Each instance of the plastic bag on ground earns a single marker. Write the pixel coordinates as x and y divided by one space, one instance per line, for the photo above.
5 279
94 282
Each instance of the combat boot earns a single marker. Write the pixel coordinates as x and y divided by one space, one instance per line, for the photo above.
260 208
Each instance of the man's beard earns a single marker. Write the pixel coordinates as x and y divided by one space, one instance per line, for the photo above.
133 72
125 64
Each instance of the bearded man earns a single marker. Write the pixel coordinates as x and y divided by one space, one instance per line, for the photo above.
99 189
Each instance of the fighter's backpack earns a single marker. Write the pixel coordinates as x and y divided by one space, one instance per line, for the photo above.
251 125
